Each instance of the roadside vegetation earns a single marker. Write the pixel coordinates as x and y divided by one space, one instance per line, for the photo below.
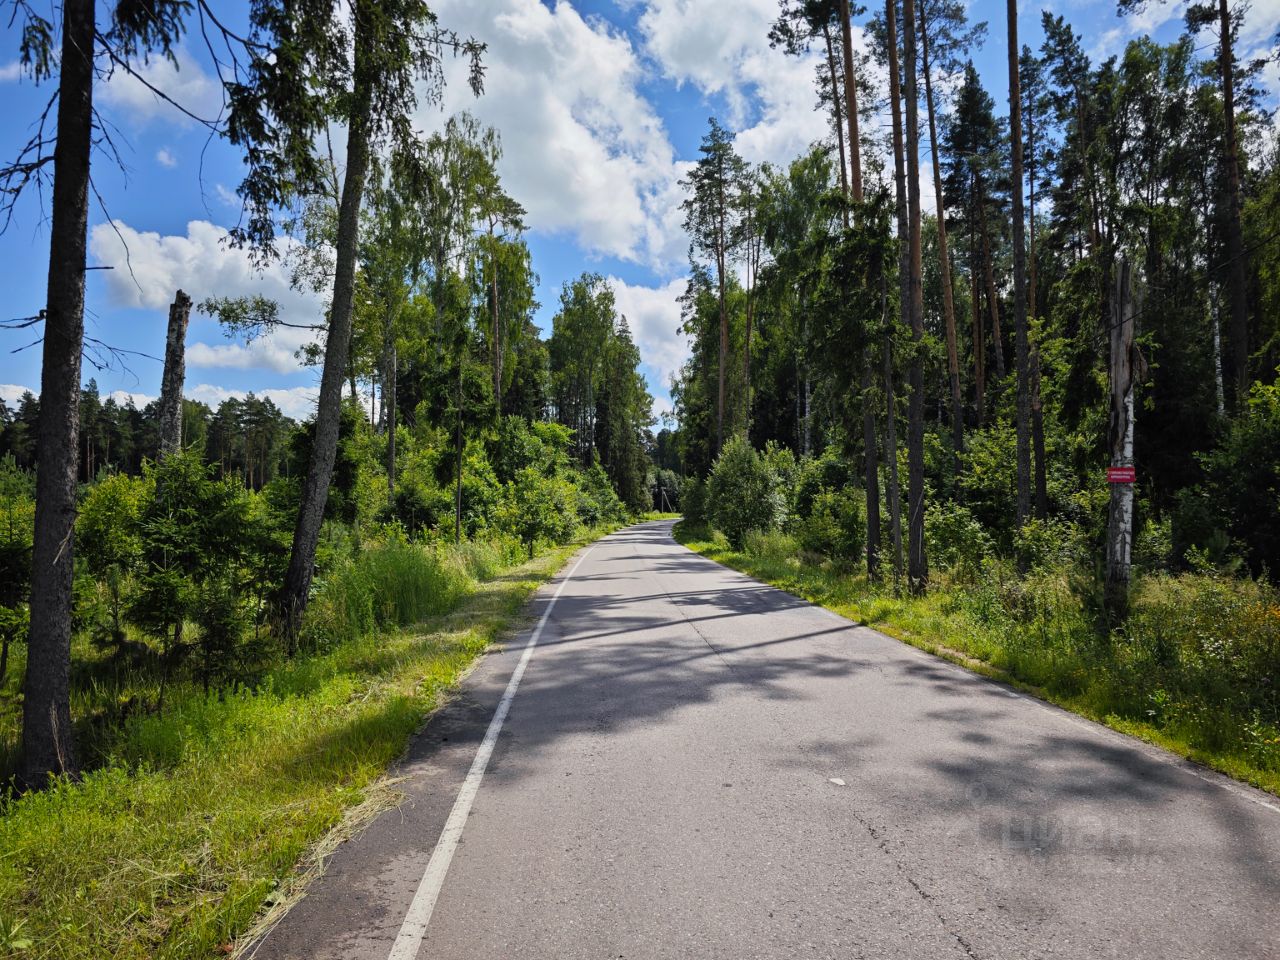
1192 667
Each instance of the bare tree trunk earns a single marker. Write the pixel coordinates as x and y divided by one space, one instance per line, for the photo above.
1124 377
993 300
893 495
457 490
174 374
1021 360
1238 257
871 472
851 102
1037 408
904 287
324 449
48 748
835 109
917 559
979 335
1215 315
724 336
944 257
389 394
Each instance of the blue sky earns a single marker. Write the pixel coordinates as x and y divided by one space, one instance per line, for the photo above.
600 104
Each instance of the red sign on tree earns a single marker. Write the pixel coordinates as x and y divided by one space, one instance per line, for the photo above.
1121 475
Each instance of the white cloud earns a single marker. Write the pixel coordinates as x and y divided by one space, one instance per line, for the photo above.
201 264
165 158
584 151
298 403
123 397
10 72
771 95
11 393
186 83
654 316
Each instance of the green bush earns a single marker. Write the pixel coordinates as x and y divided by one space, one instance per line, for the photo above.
829 471
955 539
743 493
693 500
835 526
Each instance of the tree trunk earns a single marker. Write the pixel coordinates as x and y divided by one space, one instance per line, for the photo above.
993 300
904 288
1236 253
175 347
1021 360
1124 379
724 343
851 102
315 490
871 472
48 748
1037 408
979 334
389 393
917 560
457 490
944 257
835 109
1215 316
893 495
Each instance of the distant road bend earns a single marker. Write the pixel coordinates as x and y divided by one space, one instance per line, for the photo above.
694 765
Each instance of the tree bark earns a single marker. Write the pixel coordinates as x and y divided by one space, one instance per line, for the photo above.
48 748
851 102
1124 376
979 334
389 394
993 300
324 450
871 472
175 369
835 109
917 559
1021 360
1235 237
904 287
944 257
1037 408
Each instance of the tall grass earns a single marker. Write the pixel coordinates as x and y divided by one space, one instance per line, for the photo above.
193 819
1196 668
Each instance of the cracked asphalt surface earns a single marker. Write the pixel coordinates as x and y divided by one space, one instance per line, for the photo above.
700 766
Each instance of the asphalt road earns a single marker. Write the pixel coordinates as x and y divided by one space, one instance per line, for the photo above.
698 766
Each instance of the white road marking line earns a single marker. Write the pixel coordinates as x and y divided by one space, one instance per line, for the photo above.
414 927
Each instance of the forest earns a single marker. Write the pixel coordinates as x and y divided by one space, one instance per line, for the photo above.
1032 426
1036 428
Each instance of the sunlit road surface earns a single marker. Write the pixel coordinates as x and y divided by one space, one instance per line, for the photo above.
695 765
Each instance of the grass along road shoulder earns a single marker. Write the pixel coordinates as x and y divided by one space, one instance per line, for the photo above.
1137 685
219 807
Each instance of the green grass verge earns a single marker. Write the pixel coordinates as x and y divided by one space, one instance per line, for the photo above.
1045 657
173 847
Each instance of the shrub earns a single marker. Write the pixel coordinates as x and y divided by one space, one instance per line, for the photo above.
830 471
1042 543
835 526
743 493
537 508
955 539
693 500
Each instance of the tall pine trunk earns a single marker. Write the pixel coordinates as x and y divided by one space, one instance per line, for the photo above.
1235 236
835 109
904 287
47 744
324 448
1124 376
851 102
1037 408
174 374
917 560
1023 414
944 257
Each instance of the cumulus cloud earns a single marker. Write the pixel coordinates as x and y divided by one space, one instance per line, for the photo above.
10 72
11 393
584 151
770 95
185 82
298 403
150 267
165 158
654 316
